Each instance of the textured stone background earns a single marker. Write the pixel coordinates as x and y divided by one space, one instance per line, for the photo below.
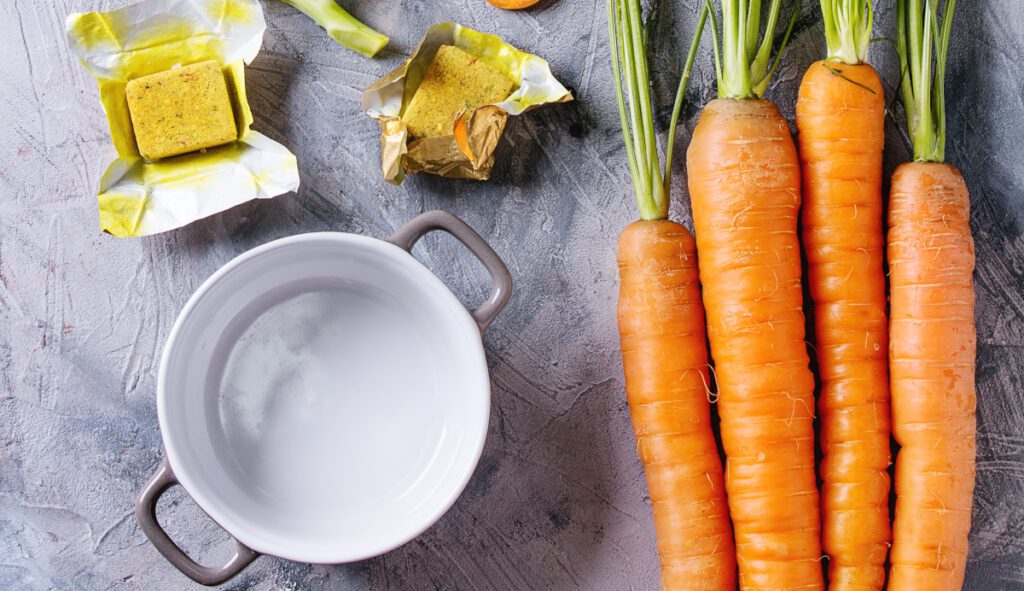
558 501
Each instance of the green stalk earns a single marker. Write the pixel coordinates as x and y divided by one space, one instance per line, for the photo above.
763 85
715 44
642 79
919 32
641 141
677 107
613 43
759 66
753 26
341 26
627 41
743 55
847 29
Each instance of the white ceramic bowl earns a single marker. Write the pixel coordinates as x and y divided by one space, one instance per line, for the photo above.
324 397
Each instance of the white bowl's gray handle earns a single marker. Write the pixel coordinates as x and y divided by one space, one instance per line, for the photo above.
145 512
501 280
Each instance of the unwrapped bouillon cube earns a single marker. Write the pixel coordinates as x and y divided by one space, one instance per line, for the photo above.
181 110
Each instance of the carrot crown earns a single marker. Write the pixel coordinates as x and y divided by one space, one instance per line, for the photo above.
743 55
628 43
847 29
919 31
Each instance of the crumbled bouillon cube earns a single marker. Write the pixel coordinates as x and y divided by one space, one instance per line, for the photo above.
456 82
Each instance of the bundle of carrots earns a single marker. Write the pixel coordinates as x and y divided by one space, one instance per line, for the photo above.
910 376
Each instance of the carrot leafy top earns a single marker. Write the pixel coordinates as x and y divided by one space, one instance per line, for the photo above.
743 55
628 42
919 31
847 29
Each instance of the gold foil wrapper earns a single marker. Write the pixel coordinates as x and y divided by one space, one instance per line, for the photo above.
468 153
138 197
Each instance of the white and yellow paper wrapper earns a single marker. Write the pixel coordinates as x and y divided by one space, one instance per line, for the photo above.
136 197
472 155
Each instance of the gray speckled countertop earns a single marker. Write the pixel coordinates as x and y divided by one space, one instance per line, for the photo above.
558 500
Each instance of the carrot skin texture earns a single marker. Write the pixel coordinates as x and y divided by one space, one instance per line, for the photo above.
932 346
841 135
744 180
664 357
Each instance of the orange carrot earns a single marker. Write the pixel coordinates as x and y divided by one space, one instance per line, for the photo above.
931 257
840 116
661 324
931 330
744 180
745 189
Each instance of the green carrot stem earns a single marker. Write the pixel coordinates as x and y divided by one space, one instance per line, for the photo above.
847 29
613 43
643 87
641 141
761 86
715 44
628 45
743 55
759 65
920 35
341 26
677 106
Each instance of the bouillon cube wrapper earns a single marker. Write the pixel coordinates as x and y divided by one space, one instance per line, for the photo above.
171 79
444 110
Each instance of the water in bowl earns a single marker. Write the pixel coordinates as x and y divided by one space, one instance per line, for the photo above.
328 398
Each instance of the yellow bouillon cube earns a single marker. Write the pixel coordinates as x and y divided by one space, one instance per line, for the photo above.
456 82
181 110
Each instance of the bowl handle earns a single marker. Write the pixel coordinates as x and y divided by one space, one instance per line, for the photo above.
501 280
145 512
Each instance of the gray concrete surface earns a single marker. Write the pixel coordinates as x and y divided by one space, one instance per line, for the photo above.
558 501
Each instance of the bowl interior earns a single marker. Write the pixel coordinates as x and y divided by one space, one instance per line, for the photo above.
324 397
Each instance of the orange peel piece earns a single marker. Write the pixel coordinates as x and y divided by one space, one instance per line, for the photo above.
513 4
461 133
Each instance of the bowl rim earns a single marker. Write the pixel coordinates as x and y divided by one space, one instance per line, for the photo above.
242 530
